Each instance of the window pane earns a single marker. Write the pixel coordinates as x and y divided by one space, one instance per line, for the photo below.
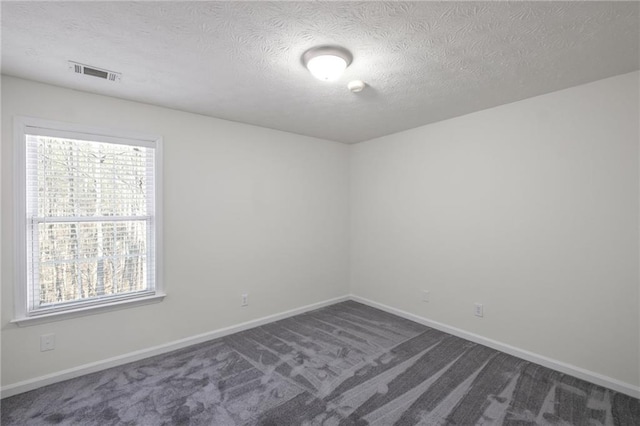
83 178
83 260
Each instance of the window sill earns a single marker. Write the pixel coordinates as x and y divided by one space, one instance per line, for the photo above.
88 310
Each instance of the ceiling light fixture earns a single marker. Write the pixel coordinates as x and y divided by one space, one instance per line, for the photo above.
327 63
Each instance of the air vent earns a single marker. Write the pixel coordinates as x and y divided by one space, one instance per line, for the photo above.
94 71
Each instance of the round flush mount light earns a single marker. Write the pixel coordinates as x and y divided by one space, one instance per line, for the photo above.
327 63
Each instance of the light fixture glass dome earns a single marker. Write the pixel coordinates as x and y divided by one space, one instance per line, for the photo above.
327 67
327 63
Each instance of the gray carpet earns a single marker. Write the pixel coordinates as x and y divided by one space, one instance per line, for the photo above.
347 364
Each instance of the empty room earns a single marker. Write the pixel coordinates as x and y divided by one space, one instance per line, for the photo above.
320 213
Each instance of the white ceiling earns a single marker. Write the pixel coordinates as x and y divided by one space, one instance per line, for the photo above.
423 61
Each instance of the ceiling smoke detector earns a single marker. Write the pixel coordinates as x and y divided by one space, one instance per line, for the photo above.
92 71
356 86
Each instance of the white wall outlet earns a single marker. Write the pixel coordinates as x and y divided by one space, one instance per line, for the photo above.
245 299
425 296
478 310
47 342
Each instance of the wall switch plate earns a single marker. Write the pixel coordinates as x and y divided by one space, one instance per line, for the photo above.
478 310
425 296
245 299
47 342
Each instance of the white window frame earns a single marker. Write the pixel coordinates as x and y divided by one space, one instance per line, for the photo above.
22 124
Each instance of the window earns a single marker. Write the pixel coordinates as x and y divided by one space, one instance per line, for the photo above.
88 219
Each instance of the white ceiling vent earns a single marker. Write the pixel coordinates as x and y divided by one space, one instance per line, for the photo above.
92 71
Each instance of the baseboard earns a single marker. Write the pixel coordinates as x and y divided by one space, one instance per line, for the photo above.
93 367
553 364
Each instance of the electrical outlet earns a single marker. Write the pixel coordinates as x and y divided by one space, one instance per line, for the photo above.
478 310
425 296
245 299
47 342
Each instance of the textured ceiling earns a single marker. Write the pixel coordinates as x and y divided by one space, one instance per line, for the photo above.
423 61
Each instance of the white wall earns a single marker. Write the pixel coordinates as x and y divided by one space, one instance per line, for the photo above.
245 209
530 208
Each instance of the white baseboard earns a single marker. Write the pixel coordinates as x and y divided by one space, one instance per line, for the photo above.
581 373
93 367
